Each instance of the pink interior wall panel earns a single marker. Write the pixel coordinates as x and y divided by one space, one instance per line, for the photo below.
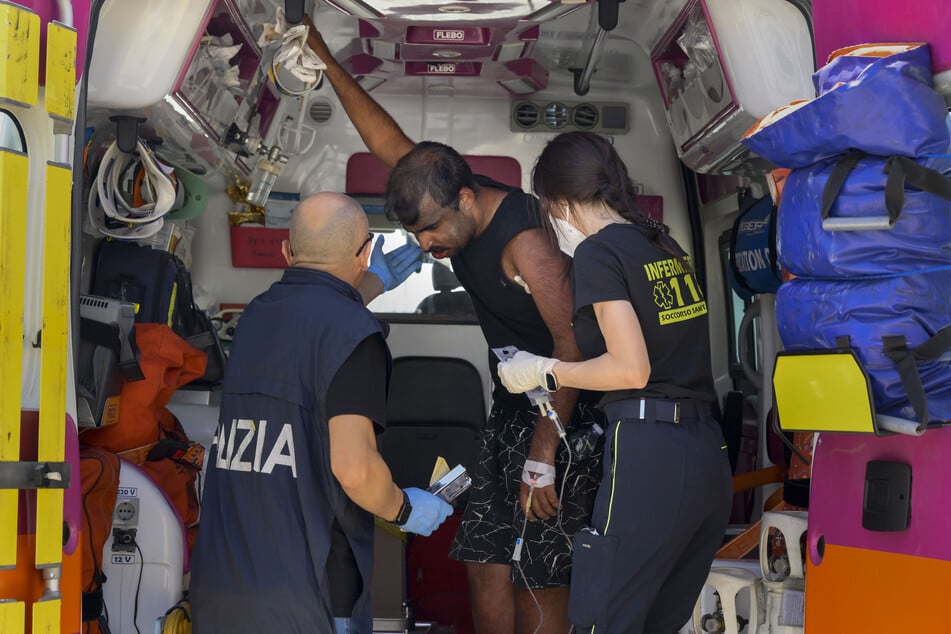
841 23
838 491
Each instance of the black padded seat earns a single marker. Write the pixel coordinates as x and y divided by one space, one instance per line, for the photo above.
435 408
446 301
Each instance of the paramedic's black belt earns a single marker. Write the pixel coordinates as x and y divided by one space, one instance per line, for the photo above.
659 410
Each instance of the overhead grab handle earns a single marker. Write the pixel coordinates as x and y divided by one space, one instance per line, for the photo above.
294 11
583 75
608 13
607 21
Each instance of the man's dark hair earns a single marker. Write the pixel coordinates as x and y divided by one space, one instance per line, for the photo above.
429 168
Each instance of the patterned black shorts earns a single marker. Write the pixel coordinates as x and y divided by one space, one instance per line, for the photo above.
494 519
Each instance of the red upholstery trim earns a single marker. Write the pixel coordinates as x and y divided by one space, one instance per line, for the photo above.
367 175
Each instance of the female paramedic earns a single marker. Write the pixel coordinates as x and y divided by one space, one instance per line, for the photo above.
641 322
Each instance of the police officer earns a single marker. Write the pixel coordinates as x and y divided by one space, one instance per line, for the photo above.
294 477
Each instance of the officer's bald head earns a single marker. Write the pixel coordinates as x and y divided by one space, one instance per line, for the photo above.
326 230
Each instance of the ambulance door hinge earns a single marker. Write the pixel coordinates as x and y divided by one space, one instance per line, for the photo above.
34 475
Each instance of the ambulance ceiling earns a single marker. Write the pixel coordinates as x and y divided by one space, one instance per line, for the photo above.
485 47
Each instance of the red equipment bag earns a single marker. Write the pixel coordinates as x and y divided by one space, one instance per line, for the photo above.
99 469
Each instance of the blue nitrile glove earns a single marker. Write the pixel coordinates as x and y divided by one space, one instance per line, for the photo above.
394 267
429 511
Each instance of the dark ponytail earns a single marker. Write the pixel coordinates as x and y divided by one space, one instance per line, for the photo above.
585 167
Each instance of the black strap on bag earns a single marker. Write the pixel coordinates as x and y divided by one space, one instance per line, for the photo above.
906 360
837 177
902 170
196 328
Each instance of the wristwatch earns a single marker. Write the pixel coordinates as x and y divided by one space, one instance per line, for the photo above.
551 383
403 516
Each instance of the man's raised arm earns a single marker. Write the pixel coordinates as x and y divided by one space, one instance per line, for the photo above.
382 135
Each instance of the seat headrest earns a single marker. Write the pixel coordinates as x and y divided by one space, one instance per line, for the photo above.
444 279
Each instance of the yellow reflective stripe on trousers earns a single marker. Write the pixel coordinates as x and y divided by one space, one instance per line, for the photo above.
617 431
14 171
607 523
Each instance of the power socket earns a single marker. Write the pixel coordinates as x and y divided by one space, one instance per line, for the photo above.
126 512
123 540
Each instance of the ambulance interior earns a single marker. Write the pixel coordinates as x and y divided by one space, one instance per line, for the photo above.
674 84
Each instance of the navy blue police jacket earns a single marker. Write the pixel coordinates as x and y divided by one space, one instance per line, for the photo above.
270 497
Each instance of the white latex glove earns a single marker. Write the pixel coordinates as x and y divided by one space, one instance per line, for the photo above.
525 371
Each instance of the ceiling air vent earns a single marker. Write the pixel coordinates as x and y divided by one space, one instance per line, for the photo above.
320 111
584 116
526 115
602 117
556 115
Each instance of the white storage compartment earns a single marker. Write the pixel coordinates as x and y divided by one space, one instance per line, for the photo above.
140 50
721 66
190 66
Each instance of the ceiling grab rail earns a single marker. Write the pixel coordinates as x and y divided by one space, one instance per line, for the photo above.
607 21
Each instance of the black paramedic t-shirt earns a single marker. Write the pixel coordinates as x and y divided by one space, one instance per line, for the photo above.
358 388
620 263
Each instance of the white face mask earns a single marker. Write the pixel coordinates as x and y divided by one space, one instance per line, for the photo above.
568 236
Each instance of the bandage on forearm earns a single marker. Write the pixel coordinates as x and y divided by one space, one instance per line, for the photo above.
538 474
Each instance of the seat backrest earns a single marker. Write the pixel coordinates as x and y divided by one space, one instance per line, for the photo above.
441 390
435 408
446 301
447 304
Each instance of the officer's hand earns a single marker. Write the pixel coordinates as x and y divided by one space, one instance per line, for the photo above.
525 371
429 511
394 267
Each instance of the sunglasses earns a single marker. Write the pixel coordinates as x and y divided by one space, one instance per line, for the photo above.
363 246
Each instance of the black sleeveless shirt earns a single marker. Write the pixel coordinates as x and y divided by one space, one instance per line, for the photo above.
507 313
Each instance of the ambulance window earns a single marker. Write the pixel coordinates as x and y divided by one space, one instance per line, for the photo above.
11 134
432 295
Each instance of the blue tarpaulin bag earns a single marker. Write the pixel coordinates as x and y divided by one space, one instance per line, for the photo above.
861 215
849 63
753 266
876 98
900 328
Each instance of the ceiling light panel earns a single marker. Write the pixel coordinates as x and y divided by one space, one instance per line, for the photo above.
458 10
